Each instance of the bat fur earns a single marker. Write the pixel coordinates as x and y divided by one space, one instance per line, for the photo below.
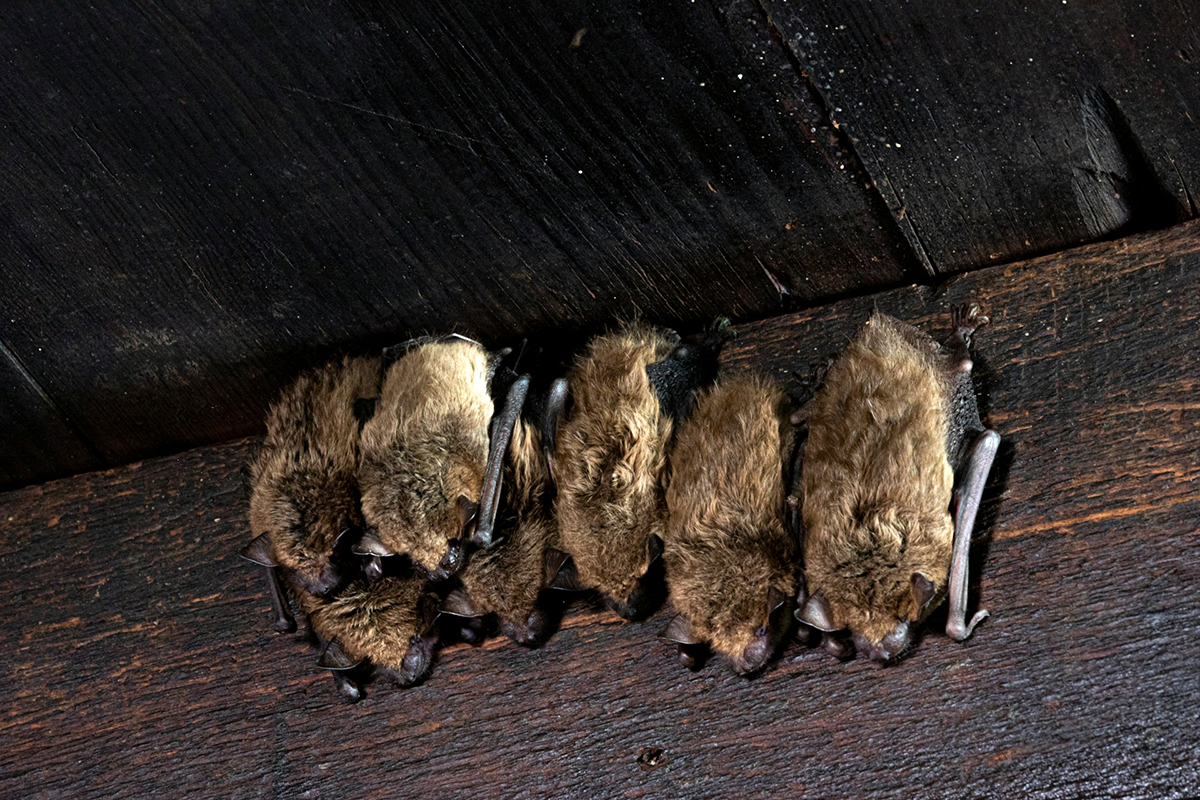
731 562
610 457
887 433
305 494
424 452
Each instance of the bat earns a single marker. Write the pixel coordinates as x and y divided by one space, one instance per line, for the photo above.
626 392
427 462
732 561
382 629
508 581
894 468
304 508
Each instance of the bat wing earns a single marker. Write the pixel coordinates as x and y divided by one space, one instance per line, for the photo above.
493 475
968 491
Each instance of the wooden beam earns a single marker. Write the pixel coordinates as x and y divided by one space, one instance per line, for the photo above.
996 132
139 659
202 199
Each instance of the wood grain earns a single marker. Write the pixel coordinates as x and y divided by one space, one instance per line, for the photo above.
39 442
996 131
200 199
139 659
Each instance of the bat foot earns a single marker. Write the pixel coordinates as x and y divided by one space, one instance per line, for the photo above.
284 624
967 318
959 630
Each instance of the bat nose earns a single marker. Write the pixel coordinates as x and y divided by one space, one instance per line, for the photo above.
416 662
890 647
326 582
622 610
755 656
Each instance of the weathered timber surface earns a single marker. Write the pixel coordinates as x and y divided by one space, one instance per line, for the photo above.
139 662
37 439
995 131
200 199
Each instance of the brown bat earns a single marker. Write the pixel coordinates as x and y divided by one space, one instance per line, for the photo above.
509 580
424 467
382 628
894 440
732 561
626 390
304 498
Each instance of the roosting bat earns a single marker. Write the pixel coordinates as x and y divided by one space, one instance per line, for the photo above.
424 467
304 507
894 437
381 629
626 390
732 562
509 580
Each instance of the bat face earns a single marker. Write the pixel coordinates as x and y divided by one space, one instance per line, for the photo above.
388 623
610 457
304 501
881 593
742 611
424 452
878 479
731 563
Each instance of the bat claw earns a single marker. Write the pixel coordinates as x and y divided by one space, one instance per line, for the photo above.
959 630
285 625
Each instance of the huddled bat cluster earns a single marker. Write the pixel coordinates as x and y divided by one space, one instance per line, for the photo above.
443 490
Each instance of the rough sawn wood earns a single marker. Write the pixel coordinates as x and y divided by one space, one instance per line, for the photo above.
139 659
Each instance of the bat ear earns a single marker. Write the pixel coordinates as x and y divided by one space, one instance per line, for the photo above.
371 545
556 406
373 567
923 593
348 533
680 630
468 513
458 604
654 547
335 658
561 572
775 599
816 613
260 551
427 607
364 409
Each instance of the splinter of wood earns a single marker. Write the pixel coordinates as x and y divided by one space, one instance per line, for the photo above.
967 497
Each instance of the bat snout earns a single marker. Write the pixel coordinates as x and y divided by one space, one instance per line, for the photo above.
891 648
756 655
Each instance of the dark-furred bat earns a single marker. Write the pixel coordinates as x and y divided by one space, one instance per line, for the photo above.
626 392
424 468
732 561
894 468
304 508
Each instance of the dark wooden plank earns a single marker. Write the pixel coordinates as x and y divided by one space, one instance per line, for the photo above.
997 131
139 659
39 443
200 199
